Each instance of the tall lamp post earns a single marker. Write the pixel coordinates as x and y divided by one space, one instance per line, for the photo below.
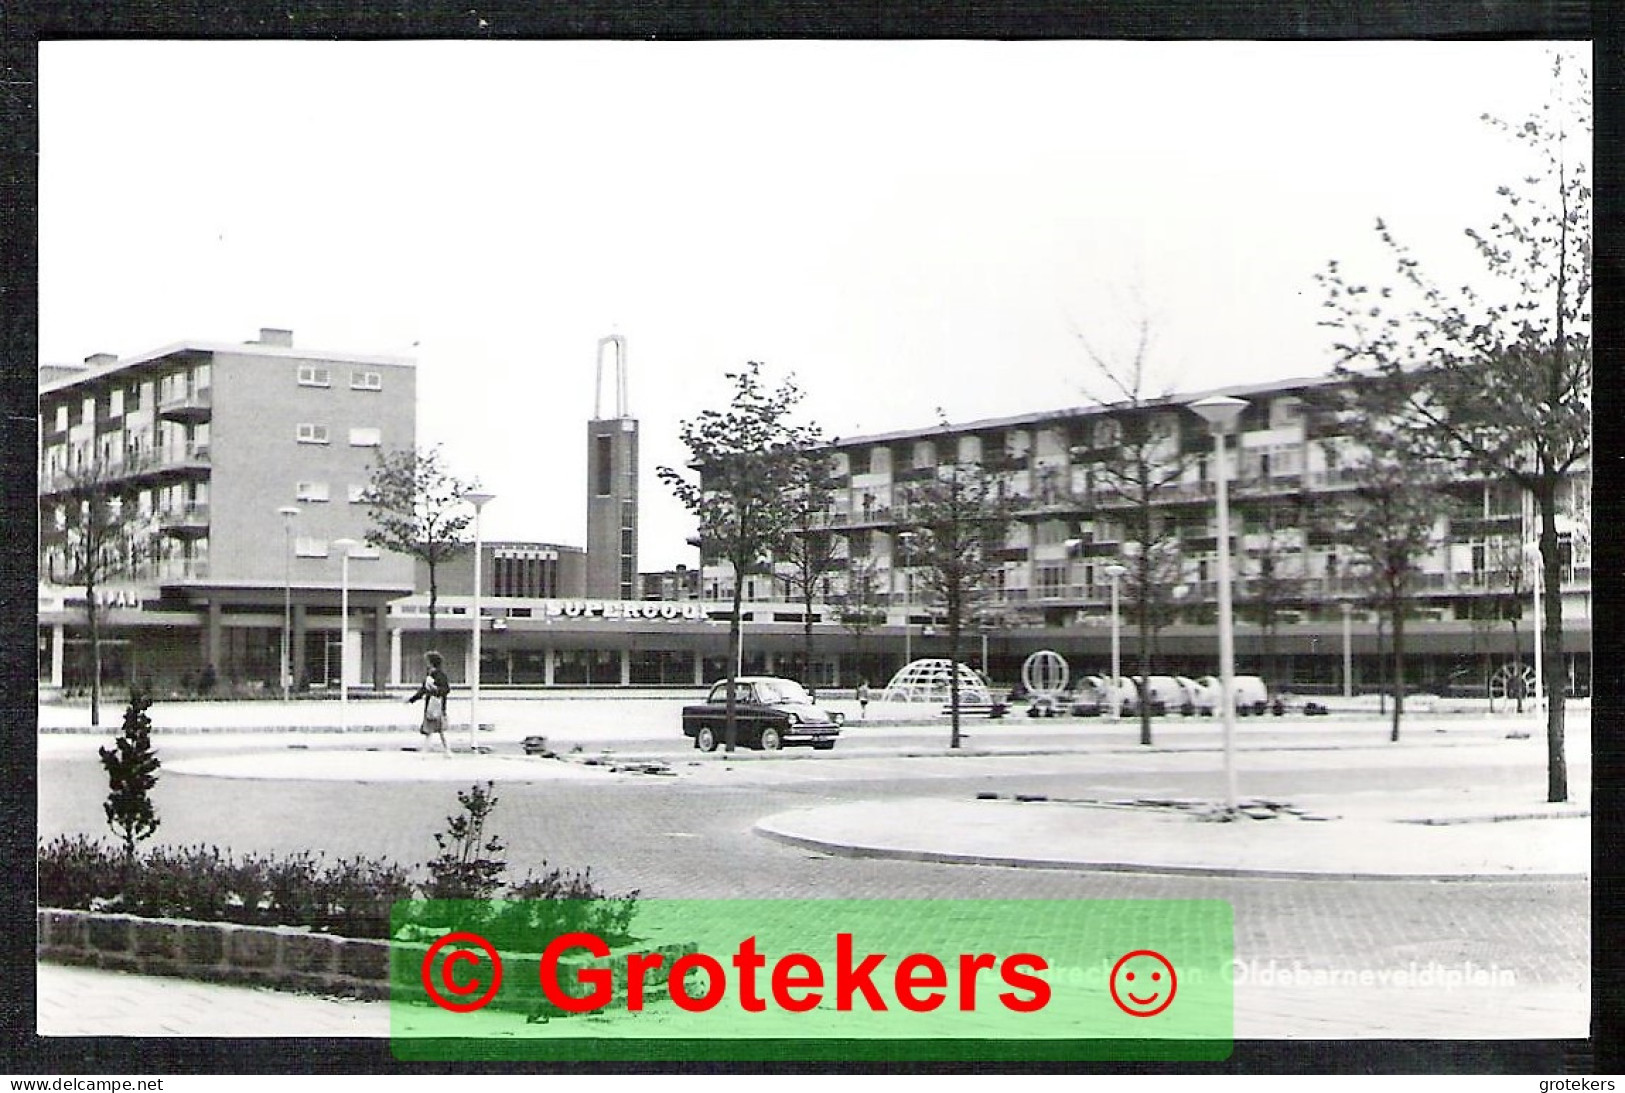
1348 649
346 546
904 538
1221 412
1115 571
288 513
1533 551
478 500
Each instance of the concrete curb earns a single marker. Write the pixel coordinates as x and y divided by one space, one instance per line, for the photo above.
848 850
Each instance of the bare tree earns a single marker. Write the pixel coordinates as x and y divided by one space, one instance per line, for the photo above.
420 509
860 602
1138 459
960 518
91 534
1275 579
1498 376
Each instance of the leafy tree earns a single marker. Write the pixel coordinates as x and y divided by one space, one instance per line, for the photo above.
960 519
811 551
419 508
132 772
1138 456
1498 375
746 458
91 534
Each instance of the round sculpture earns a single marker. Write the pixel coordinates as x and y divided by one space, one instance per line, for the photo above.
928 681
1045 673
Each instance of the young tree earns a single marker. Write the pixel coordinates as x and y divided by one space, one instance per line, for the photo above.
811 551
1275 580
746 458
91 534
1389 524
960 518
1138 459
860 602
132 772
1500 374
418 508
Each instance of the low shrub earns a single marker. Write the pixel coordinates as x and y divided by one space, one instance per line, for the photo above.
75 871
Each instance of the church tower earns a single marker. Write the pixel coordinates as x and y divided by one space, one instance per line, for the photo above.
612 487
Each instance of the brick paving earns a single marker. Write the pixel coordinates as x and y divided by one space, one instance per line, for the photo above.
677 838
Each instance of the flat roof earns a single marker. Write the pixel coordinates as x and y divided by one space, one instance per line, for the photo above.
1038 417
90 374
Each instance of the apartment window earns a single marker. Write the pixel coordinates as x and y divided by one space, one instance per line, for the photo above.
311 376
366 381
358 492
87 412
306 547
62 418
311 491
115 402
366 437
312 434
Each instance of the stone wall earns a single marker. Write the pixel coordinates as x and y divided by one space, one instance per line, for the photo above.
288 958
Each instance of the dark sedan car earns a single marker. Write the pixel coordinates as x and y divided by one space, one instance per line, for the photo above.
771 713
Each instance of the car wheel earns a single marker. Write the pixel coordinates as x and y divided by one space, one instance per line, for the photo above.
706 738
771 740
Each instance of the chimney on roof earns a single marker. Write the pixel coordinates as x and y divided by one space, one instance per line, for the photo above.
270 335
96 360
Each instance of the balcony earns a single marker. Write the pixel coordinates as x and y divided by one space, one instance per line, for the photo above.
187 406
182 569
192 461
185 521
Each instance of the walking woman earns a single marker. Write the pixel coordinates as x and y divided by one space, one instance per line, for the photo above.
436 687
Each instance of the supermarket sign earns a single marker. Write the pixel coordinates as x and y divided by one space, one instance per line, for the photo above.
691 611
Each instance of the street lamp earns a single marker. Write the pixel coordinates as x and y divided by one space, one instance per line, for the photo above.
1348 649
1532 550
478 500
904 538
288 513
345 545
1115 571
1221 412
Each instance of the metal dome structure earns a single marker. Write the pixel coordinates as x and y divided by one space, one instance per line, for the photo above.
928 681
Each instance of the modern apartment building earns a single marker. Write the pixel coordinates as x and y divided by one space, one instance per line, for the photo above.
244 464
1292 582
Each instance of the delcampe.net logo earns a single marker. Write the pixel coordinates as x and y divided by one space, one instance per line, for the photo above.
724 980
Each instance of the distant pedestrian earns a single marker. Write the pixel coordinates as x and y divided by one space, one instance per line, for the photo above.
434 691
863 700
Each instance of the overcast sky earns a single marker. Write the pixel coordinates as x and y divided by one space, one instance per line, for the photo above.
902 226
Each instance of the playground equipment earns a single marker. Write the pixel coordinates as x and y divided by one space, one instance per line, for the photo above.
929 681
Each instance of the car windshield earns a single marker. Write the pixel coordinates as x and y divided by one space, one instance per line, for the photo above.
773 692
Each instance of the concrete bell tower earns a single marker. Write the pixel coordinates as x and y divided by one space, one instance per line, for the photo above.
612 487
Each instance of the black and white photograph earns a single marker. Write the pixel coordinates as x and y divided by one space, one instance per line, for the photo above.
638 512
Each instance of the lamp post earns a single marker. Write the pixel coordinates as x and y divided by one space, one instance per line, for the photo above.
1221 412
345 545
904 538
478 500
1532 550
1115 571
1348 649
288 513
